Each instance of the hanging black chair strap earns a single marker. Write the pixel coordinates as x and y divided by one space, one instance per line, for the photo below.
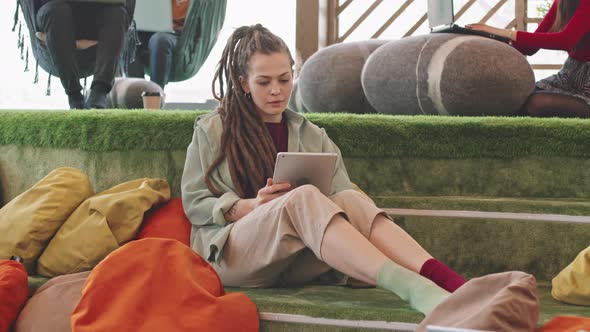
16 15
48 92
36 79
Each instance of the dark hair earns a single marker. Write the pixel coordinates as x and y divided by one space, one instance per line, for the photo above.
245 142
565 11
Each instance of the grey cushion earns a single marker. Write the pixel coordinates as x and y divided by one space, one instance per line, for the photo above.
447 74
296 102
126 92
330 80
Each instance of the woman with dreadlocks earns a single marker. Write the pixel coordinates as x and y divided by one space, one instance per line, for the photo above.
256 233
565 27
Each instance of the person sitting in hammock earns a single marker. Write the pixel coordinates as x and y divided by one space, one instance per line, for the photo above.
61 23
160 47
257 233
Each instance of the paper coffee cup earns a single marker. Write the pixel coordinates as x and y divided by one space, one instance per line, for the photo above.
151 100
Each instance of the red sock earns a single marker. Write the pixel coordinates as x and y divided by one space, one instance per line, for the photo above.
442 275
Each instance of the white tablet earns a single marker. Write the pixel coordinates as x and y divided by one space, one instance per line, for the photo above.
153 15
299 168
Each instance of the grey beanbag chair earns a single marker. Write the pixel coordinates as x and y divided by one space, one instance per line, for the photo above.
330 80
447 74
126 92
296 102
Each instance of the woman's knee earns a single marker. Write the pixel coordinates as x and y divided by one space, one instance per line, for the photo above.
54 11
162 42
116 15
306 191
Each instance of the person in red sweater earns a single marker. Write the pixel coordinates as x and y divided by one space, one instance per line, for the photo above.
565 27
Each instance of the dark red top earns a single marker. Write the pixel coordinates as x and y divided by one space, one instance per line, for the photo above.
569 37
280 134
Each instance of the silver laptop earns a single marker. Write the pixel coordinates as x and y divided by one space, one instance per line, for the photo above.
441 18
153 15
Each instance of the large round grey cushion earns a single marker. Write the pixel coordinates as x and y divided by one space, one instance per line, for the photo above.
126 92
447 74
296 102
330 80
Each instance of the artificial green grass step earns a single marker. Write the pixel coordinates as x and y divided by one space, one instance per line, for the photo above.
479 246
339 302
370 303
385 155
476 247
565 206
368 135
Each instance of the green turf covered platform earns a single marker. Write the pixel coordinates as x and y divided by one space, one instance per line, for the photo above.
466 165
351 304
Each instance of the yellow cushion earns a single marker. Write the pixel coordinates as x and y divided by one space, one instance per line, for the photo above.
30 220
572 285
101 224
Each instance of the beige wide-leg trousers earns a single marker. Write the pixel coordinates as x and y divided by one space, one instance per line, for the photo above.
279 242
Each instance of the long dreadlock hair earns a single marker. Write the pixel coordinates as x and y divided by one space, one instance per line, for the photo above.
245 142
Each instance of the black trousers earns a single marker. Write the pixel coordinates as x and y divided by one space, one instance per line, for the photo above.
64 22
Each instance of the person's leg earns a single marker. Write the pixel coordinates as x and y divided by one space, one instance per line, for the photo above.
161 47
262 245
553 104
112 22
136 68
393 241
56 19
347 250
398 245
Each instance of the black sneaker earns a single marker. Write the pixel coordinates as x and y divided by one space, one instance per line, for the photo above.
76 101
96 99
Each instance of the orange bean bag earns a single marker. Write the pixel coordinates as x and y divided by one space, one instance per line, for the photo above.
14 290
567 324
169 222
157 284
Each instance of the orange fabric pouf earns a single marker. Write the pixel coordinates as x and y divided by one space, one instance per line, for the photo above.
567 324
14 290
159 285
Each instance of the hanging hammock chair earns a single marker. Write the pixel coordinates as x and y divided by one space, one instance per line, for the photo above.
86 58
202 25
203 22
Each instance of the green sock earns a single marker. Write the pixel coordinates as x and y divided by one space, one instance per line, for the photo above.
422 293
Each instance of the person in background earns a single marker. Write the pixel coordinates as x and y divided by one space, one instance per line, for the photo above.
256 233
159 47
61 23
565 27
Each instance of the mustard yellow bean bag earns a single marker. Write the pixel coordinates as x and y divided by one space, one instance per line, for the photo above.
100 225
572 284
30 220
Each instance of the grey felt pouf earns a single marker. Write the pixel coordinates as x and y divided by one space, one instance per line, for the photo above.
447 74
296 102
126 92
330 80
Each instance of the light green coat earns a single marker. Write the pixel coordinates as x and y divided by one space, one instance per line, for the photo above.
205 210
